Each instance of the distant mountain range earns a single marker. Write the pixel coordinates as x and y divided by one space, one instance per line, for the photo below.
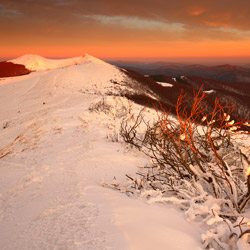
165 90
226 72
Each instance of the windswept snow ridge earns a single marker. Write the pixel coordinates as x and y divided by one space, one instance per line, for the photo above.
59 135
36 62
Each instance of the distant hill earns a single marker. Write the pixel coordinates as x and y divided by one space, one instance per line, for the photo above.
247 65
28 63
36 62
8 69
227 72
230 93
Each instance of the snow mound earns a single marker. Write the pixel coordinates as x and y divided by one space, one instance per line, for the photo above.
36 62
165 84
209 91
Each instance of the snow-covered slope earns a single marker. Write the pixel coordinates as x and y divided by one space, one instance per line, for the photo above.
58 144
89 75
36 62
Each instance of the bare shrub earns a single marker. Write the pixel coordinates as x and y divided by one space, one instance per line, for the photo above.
100 106
198 163
129 132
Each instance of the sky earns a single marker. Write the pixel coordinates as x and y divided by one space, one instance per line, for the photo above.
125 29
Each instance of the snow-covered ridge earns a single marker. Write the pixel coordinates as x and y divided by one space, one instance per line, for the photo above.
58 144
85 74
36 62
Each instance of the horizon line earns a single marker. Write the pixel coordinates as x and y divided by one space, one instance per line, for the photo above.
187 59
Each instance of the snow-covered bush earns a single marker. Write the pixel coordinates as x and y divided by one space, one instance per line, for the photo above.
198 163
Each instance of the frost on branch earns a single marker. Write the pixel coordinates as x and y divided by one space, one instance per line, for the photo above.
199 163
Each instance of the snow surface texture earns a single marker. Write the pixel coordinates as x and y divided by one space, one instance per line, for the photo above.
57 146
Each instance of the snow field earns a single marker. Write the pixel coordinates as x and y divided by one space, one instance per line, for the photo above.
55 154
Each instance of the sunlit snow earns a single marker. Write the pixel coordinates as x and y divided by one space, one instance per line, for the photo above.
209 91
165 84
55 154
36 62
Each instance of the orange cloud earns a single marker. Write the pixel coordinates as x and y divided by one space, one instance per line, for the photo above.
217 24
196 12
125 28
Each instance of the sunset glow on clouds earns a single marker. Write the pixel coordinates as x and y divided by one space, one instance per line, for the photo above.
123 29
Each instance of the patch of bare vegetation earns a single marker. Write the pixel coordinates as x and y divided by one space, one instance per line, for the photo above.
199 163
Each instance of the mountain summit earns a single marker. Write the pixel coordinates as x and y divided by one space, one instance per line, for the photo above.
36 62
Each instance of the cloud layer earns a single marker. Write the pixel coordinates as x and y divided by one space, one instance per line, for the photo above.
95 23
